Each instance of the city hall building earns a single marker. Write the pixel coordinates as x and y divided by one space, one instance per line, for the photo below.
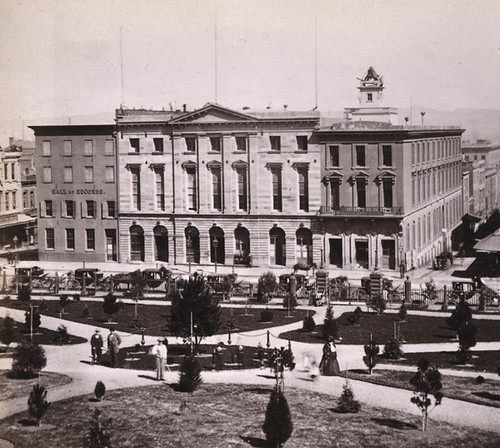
267 188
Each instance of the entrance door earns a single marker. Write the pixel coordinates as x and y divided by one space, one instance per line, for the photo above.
336 252
362 253
278 246
388 254
110 245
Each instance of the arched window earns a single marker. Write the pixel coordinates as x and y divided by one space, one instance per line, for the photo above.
161 243
242 246
136 243
277 241
217 245
303 248
192 235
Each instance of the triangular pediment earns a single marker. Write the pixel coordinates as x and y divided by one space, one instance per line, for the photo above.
213 113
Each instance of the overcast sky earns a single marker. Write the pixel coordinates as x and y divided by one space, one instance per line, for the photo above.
62 58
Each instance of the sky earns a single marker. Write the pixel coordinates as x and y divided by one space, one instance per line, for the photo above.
63 58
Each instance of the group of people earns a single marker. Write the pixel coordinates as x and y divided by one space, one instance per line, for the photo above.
159 351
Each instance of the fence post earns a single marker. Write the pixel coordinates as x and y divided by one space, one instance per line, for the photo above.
56 285
444 307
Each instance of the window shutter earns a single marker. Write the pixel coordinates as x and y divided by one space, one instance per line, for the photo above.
81 209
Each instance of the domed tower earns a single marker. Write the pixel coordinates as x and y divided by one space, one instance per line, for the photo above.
371 89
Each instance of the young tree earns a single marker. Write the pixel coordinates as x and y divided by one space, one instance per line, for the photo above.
403 312
111 305
98 435
34 320
27 359
427 389
37 403
267 285
63 302
193 304
371 352
61 334
190 374
290 301
138 284
308 324
8 331
330 327
24 293
278 425
99 390
347 403
466 340
461 315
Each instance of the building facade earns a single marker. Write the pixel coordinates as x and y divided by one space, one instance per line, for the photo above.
77 192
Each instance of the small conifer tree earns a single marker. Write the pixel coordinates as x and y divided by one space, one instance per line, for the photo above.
62 334
8 331
466 340
347 403
427 389
403 312
37 403
308 324
28 358
190 374
461 315
111 305
392 350
24 293
330 327
98 435
278 425
371 352
63 302
99 390
34 320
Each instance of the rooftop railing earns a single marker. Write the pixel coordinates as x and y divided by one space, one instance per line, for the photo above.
360 211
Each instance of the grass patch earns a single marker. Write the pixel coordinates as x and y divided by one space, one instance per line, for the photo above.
18 388
415 330
225 416
459 388
154 318
41 335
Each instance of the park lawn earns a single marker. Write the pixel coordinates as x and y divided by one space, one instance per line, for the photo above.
40 335
459 388
416 329
18 388
154 317
228 416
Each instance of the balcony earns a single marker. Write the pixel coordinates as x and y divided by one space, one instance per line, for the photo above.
360 211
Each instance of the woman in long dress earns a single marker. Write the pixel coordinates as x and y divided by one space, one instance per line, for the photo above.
329 364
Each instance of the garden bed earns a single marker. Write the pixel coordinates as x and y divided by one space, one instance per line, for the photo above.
18 388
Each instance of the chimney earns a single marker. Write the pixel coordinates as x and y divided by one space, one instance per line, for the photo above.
183 108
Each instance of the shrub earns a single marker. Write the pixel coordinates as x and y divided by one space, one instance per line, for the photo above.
61 335
378 304
330 327
37 403
266 316
8 331
278 425
28 358
308 324
111 305
392 350
43 305
267 285
480 380
76 297
461 315
98 435
355 317
24 293
403 312
36 320
291 301
347 403
190 374
86 312
99 390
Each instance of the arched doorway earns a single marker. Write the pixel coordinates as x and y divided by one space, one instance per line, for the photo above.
242 246
136 243
278 246
303 246
217 234
161 243
192 244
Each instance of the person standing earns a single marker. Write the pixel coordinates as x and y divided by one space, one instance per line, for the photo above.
96 344
329 364
114 342
159 351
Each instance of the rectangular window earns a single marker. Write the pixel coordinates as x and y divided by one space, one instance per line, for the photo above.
335 194
386 155
387 186
136 188
215 143
302 142
32 199
7 200
191 188
14 200
70 239
49 239
360 155
90 239
46 148
275 142
158 143
25 200
68 148
109 148
49 211
109 175
241 144
242 188
134 145
191 144
68 174
88 148
89 174
13 171
216 188
160 188
277 189
369 97
303 189
47 174
334 156
6 171
70 209
90 206
111 209
361 193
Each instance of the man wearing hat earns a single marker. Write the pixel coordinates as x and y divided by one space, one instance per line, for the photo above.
96 345
114 342
159 351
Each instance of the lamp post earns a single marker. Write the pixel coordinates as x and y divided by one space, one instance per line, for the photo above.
189 244
215 243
